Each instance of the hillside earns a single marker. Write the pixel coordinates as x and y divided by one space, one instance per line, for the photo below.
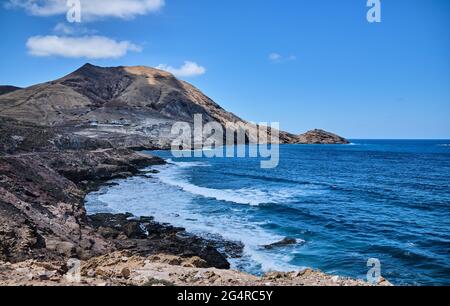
4 89
127 106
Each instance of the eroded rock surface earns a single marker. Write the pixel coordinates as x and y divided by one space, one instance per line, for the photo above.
124 269
42 201
146 237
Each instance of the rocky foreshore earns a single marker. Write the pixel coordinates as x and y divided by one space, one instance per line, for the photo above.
43 221
143 236
124 268
44 225
42 214
45 174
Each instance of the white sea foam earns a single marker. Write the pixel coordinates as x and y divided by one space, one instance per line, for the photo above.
173 176
186 164
166 204
169 197
248 196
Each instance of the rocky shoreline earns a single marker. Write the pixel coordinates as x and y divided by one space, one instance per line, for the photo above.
43 216
144 237
45 175
42 212
123 268
44 225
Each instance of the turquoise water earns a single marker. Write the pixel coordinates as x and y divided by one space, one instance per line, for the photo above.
344 204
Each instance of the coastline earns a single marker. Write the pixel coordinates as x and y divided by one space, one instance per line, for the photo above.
49 225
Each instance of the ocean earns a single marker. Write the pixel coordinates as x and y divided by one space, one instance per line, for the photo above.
344 204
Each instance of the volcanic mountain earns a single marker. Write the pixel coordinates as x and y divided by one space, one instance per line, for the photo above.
126 106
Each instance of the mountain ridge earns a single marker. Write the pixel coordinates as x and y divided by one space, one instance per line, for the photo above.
4 89
130 106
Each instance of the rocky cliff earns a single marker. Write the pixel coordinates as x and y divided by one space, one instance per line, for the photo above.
42 200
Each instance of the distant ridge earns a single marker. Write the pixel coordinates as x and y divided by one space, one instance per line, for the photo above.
7 89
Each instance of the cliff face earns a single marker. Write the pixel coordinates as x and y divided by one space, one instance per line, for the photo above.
42 211
127 106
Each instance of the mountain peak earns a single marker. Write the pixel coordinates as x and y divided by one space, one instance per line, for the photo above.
87 70
147 71
87 65
92 71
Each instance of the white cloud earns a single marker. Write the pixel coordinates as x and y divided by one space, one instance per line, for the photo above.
90 9
278 58
93 47
189 69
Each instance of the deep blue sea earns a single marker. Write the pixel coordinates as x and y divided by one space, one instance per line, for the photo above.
384 199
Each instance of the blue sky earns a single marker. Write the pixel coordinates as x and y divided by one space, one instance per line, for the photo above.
304 63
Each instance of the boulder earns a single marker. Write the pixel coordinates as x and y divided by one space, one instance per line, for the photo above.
282 243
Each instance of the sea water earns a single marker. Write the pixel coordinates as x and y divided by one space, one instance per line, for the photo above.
344 204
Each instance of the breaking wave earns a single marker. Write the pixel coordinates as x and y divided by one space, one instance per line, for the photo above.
245 196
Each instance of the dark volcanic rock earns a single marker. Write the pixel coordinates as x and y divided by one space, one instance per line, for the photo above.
147 237
22 137
88 169
42 211
47 208
19 238
285 242
4 89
